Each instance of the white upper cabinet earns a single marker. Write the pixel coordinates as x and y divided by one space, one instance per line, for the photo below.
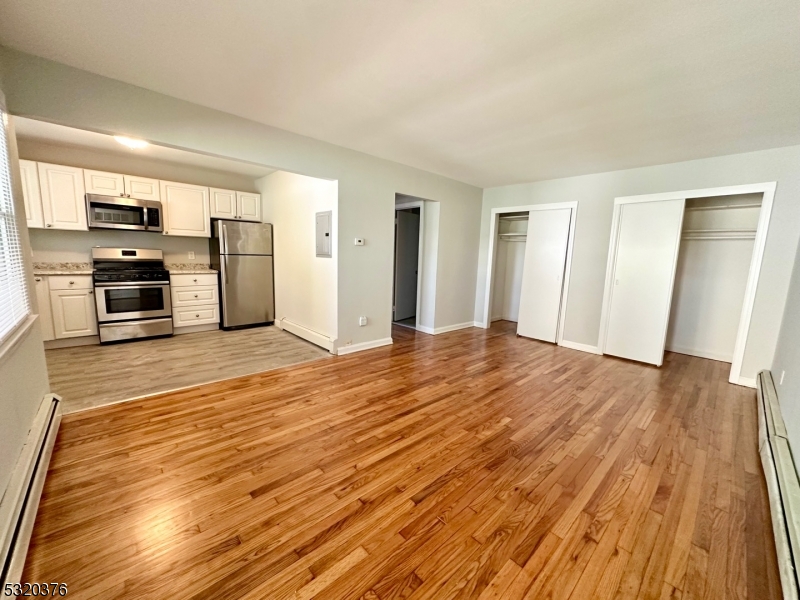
248 206
31 194
142 188
106 184
186 209
228 204
223 203
63 201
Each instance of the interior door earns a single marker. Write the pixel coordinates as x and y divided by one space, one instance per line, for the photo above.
543 273
643 273
406 262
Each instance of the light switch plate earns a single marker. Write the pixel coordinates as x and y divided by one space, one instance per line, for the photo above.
362 321
191 255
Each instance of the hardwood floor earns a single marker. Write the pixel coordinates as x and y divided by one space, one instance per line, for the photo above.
470 464
90 376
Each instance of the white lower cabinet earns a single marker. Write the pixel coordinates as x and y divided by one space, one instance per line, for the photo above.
195 299
45 311
73 313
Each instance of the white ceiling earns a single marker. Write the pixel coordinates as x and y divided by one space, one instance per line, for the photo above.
485 91
69 136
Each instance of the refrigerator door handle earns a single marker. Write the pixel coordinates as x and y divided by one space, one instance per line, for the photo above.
224 239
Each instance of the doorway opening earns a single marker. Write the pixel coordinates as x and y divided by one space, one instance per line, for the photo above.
407 256
530 252
717 240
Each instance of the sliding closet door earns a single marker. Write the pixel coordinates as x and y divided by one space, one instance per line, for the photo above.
543 273
644 270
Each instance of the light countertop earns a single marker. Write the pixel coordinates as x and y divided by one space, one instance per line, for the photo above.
191 269
62 268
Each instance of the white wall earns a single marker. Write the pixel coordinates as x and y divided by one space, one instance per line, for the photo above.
23 371
51 91
76 246
596 193
787 361
305 284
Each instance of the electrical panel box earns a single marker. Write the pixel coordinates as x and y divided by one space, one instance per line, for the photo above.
324 237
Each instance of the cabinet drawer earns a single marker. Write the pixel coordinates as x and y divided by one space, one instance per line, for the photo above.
70 282
191 296
193 280
195 315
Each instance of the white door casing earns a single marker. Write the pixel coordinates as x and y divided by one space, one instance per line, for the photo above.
543 273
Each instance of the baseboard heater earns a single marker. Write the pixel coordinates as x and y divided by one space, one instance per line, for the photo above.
20 501
316 338
783 485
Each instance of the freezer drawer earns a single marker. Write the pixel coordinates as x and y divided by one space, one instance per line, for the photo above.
248 296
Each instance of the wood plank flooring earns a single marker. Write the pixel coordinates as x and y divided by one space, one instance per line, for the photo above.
90 376
472 464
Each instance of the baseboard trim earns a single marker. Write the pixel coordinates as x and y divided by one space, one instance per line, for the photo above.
783 486
195 328
702 354
316 338
88 340
424 329
581 347
456 327
364 346
747 382
20 500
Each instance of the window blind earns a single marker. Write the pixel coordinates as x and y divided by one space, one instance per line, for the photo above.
14 305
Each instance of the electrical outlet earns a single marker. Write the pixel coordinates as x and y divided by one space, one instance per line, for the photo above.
362 321
359 241
191 255
783 374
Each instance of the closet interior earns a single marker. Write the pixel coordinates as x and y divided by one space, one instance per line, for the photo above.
716 250
509 263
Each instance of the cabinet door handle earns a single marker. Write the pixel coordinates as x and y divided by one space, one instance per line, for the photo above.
37 278
198 316
195 280
72 283
91 291
49 224
195 295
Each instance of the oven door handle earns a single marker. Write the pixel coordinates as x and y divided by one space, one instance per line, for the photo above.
122 285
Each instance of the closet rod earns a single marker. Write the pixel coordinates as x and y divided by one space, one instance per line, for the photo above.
512 235
724 206
719 231
742 236
515 218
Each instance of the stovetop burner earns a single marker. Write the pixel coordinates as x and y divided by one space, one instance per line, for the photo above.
117 265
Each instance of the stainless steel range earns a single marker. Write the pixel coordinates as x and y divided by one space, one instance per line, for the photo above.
132 294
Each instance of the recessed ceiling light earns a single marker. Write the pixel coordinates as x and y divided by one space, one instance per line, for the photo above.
130 142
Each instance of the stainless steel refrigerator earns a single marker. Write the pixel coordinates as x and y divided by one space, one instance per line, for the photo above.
242 253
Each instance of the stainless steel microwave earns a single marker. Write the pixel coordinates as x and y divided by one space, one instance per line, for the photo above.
112 212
